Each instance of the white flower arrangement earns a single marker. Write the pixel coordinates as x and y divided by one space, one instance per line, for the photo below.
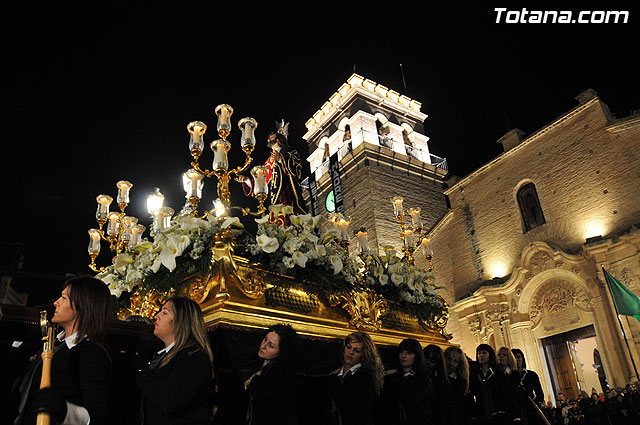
306 244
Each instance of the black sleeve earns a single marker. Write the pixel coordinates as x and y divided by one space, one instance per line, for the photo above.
93 369
272 382
189 374
356 389
536 387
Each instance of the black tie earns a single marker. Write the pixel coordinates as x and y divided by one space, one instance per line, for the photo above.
157 359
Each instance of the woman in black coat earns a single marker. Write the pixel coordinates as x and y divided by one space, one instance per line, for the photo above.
177 386
273 387
443 412
408 391
495 403
530 387
80 367
353 390
458 374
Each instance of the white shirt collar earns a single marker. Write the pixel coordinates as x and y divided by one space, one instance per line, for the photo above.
353 369
167 348
71 340
410 373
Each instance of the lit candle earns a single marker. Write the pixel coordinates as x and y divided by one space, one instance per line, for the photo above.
224 113
220 148
343 225
248 126
219 209
194 185
103 206
426 247
94 241
259 174
136 232
196 130
164 218
127 224
123 191
397 207
113 224
415 217
363 239
408 236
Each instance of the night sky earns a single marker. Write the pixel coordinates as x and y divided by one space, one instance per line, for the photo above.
99 94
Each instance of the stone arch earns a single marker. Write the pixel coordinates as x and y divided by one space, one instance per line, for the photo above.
342 125
554 289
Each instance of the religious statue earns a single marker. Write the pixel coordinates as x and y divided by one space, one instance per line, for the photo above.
285 171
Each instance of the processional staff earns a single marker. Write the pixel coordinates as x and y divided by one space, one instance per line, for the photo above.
47 355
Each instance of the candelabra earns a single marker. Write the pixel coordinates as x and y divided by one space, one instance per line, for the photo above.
411 233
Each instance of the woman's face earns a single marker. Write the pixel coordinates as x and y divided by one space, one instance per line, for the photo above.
519 360
453 360
270 346
64 314
352 354
502 358
407 358
430 363
483 356
164 323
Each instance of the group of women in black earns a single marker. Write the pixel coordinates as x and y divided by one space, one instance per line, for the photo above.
177 386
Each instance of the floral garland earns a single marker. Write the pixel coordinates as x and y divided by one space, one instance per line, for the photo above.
301 246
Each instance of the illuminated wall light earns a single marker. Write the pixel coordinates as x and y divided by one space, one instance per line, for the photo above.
498 269
594 228
371 85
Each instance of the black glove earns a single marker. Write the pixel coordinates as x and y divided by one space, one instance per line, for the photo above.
47 400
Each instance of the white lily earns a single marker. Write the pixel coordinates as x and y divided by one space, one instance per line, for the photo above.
300 258
121 261
384 279
396 279
321 250
175 247
262 220
336 262
267 243
232 221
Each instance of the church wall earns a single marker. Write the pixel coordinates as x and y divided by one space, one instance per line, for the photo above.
588 183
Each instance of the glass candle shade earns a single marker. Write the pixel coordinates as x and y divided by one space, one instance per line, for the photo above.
414 213
154 202
196 131
164 218
426 247
259 174
363 240
224 113
127 224
123 191
219 208
220 148
409 237
193 184
103 206
343 225
247 126
94 241
136 235
397 207
113 223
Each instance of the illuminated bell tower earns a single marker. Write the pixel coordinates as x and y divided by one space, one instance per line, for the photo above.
367 145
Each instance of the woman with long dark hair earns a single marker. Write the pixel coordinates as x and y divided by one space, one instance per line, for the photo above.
442 405
458 374
530 388
273 387
359 381
408 391
490 387
177 386
81 365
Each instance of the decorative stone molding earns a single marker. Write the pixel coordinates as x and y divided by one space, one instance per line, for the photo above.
556 295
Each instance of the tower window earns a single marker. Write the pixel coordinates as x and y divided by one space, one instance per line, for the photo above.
530 209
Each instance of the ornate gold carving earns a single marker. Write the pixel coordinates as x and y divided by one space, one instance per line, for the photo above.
294 299
145 303
365 307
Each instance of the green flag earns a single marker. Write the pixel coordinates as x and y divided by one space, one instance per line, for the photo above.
626 301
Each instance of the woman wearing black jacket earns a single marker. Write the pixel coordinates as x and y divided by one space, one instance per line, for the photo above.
81 367
458 373
273 387
177 386
443 412
353 390
408 391
495 403
530 387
